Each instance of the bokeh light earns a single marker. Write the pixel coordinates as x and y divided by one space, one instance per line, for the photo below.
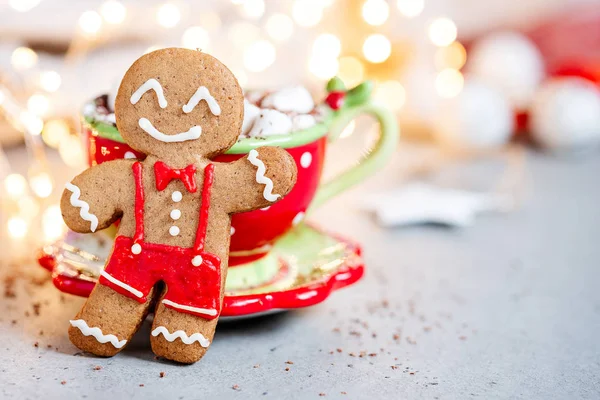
307 12
195 37
23 58
375 12
41 184
90 22
52 223
23 5
323 67
442 31
17 227
168 15
15 185
253 8
55 130
327 45
243 33
259 56
38 104
31 122
113 12
71 151
351 71
210 20
410 8
453 56
392 94
50 81
377 48
449 83
279 27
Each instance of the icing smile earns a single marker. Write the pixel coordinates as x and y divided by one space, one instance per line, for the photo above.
192 134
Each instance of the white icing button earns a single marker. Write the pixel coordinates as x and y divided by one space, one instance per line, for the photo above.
306 159
174 230
232 231
136 248
129 154
175 214
299 217
197 261
176 196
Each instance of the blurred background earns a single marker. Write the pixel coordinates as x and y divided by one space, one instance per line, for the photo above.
467 80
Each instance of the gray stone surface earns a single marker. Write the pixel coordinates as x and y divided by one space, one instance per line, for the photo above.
509 308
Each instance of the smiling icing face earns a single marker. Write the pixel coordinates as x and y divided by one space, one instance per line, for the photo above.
171 111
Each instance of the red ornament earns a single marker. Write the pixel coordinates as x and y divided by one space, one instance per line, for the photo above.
335 100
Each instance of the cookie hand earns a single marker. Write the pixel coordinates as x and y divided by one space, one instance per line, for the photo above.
91 201
258 180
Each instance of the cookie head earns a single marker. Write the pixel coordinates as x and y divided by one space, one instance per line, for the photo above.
179 103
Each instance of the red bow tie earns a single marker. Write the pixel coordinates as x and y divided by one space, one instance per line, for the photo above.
164 174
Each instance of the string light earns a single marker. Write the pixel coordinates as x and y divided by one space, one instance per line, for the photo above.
17 227
452 56
54 132
449 83
307 13
280 27
23 58
41 184
195 37
327 45
253 8
168 15
323 67
375 12
50 81
90 22
377 48
23 5
113 12
52 223
351 71
392 94
410 8
15 185
31 122
259 56
38 104
442 31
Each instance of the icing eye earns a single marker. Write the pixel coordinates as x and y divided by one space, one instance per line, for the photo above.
202 93
150 84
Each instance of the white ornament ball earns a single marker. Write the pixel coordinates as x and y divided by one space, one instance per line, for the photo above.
510 62
565 114
479 117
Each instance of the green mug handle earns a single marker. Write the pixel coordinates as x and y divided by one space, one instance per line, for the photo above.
369 163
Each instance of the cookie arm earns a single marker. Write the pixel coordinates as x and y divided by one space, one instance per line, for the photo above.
257 180
92 200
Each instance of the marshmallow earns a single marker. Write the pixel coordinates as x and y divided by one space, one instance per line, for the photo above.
250 113
304 121
271 122
292 99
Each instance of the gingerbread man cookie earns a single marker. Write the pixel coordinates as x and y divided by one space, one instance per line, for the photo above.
181 108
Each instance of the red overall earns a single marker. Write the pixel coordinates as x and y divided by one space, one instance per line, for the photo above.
192 276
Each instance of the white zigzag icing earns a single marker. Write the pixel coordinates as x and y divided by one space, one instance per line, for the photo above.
196 337
260 176
97 333
85 207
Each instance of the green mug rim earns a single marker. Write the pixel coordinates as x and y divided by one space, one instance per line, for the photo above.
242 146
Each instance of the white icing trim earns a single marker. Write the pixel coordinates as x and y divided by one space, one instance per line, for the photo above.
196 337
193 133
202 94
123 285
97 333
208 311
85 207
260 176
150 84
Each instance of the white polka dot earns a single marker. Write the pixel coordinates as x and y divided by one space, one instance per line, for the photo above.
174 230
232 231
306 159
136 248
175 214
176 196
299 217
197 261
265 208
129 154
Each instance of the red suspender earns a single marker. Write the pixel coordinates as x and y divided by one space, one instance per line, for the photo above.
209 176
139 202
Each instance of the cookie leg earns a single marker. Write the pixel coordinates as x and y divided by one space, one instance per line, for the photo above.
107 321
180 336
